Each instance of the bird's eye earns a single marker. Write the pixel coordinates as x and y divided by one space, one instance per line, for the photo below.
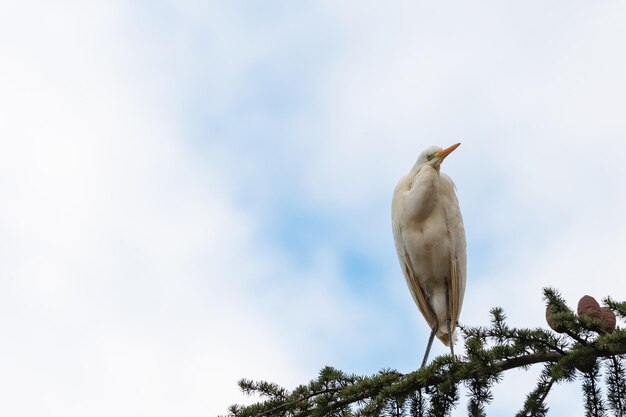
429 157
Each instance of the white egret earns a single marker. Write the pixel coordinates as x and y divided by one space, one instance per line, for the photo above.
430 240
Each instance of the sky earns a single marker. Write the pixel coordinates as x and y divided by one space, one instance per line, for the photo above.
195 192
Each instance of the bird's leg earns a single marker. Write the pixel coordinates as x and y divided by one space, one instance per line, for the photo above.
449 321
430 343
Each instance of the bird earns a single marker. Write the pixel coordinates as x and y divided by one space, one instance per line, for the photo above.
430 241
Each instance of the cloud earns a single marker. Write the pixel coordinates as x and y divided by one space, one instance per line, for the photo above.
196 193
132 279
128 274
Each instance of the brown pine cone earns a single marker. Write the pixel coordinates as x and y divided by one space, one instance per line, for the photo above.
608 319
557 328
589 307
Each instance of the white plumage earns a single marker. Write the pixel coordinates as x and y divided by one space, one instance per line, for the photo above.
430 241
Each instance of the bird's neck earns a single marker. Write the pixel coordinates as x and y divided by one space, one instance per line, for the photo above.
418 167
423 193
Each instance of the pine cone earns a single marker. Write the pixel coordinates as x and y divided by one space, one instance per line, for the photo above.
608 319
553 325
589 307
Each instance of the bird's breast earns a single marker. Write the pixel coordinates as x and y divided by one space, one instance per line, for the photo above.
429 245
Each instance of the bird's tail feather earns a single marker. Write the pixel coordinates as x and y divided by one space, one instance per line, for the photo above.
445 339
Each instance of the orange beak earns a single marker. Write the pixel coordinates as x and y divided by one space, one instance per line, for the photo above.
445 152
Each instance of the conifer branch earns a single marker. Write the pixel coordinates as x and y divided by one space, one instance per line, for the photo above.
489 352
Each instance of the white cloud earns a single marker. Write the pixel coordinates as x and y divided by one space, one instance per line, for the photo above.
131 284
133 278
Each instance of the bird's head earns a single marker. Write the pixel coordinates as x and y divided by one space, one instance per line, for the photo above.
434 156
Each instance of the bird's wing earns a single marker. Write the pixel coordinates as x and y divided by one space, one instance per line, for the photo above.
458 260
405 261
